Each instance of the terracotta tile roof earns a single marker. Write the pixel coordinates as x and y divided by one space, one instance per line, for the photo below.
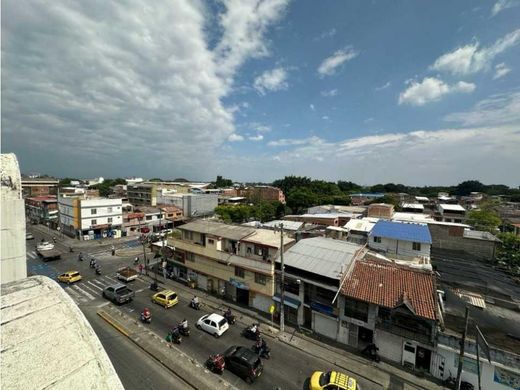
390 285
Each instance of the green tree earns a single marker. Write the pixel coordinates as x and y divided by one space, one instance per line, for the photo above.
508 250
469 186
299 199
348 186
221 182
484 219
156 179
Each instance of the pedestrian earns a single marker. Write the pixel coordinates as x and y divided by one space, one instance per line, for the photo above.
113 250
141 268
164 272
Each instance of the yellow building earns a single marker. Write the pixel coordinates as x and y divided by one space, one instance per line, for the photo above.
237 262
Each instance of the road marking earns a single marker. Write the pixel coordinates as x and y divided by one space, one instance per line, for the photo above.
99 282
31 255
83 291
103 304
94 285
90 289
75 295
141 290
112 279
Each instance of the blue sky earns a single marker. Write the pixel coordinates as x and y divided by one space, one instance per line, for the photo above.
406 91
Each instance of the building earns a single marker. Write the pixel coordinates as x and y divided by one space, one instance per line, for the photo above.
42 325
336 209
267 193
401 240
422 200
380 210
395 307
412 207
236 262
359 229
173 215
450 213
90 218
412 217
192 205
42 210
39 186
327 219
360 199
12 243
313 270
142 194
134 223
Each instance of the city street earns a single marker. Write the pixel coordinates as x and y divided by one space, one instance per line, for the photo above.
288 367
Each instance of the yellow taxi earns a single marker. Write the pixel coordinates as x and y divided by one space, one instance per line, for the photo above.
69 277
166 298
332 380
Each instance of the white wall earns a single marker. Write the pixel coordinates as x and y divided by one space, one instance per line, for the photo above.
390 345
261 302
105 209
401 248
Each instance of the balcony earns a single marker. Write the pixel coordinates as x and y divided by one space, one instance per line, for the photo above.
221 256
408 332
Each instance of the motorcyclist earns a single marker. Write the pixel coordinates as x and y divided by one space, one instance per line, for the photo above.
92 262
227 313
80 256
175 334
195 302
146 314
54 239
254 329
98 269
184 324
136 260
113 250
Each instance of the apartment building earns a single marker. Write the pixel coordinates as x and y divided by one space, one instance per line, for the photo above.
450 213
237 262
43 210
142 194
88 218
39 186
192 205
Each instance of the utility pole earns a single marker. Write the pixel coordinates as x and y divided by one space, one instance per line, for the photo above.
462 345
282 307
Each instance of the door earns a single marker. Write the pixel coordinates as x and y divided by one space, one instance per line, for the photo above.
243 296
423 359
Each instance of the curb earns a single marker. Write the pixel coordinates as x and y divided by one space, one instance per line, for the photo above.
113 322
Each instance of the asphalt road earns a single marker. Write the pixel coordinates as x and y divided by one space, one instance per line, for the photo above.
288 367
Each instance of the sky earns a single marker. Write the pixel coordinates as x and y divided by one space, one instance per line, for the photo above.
419 93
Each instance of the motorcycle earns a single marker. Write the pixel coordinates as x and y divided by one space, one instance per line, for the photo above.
216 363
184 331
195 305
98 270
146 316
262 350
248 333
92 263
80 257
154 287
371 352
230 318
174 337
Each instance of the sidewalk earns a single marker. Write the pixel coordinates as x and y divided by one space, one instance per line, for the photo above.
384 374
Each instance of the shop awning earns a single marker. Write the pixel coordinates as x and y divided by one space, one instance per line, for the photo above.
287 301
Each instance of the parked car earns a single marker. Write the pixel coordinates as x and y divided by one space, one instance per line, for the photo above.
332 380
29 236
118 293
243 362
166 298
213 323
69 277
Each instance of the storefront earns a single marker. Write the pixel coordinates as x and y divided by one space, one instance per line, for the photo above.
325 321
291 306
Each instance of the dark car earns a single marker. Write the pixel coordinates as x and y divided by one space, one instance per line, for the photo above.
243 362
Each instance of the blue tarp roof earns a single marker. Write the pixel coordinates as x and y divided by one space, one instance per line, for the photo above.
402 231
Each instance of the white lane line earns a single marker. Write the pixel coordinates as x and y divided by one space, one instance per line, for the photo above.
103 304
141 290
31 255
94 285
112 279
100 283
76 296
83 292
90 289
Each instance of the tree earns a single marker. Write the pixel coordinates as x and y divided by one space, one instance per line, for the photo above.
221 182
377 188
469 186
299 199
156 179
508 250
484 219
348 186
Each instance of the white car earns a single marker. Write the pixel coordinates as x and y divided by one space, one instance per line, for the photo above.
213 323
44 246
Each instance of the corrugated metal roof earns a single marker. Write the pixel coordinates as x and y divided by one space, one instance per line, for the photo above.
451 207
321 256
287 225
360 225
402 231
233 232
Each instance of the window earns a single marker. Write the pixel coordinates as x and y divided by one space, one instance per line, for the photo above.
416 246
356 309
377 239
148 217
93 222
93 211
109 209
109 220
190 256
211 241
239 272
260 279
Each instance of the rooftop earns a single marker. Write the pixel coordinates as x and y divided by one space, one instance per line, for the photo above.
417 206
480 235
33 311
451 207
402 231
390 285
422 198
268 237
287 225
232 232
412 217
360 225
322 256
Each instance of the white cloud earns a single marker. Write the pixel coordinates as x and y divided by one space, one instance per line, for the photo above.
384 86
325 117
501 70
501 5
312 107
330 64
326 34
471 59
431 89
258 137
235 137
260 128
293 142
497 110
271 80
330 93
368 120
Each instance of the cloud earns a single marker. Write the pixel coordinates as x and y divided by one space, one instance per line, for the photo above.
235 138
330 93
256 138
312 107
325 117
260 128
501 70
431 89
330 64
471 59
384 86
271 80
114 84
326 34
497 110
293 142
501 5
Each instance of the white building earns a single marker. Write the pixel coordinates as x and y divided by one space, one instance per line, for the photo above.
451 213
12 252
192 205
91 218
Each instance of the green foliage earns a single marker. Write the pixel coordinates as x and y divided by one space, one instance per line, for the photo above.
156 179
388 199
348 186
509 249
65 182
104 188
263 211
484 219
469 186
221 182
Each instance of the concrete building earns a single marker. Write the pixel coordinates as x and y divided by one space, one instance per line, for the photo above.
401 240
232 261
314 268
328 219
42 210
412 207
192 205
267 193
39 186
360 199
90 218
380 210
359 229
337 209
47 343
142 194
12 252
450 213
